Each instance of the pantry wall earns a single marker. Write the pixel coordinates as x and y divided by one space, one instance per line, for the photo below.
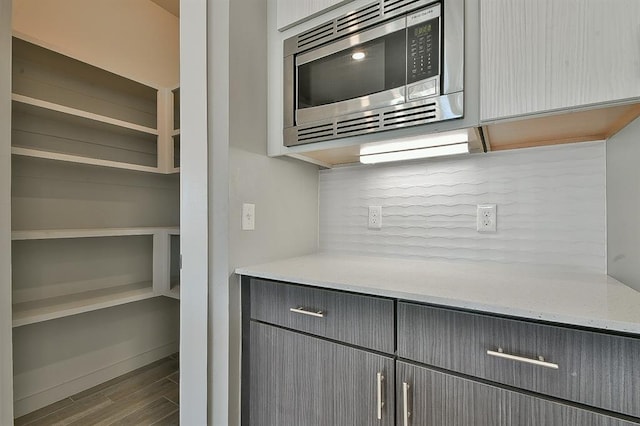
98 217
6 364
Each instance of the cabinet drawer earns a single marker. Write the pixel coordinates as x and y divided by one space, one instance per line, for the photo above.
360 320
593 368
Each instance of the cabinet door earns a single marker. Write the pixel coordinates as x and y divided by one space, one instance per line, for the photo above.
525 410
293 11
545 55
301 380
435 398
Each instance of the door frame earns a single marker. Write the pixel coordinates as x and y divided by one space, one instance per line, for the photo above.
194 215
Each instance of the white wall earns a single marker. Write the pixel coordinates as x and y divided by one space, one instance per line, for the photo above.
285 191
623 205
6 372
551 207
134 38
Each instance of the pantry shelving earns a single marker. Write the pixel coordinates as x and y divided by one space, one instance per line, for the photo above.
95 197
174 265
175 133
44 234
70 111
64 292
58 307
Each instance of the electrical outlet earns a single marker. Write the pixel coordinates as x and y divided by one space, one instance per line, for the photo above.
487 218
248 217
375 217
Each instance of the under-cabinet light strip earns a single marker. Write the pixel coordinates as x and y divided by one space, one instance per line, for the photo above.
412 154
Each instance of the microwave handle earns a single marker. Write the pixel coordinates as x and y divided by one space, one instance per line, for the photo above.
288 100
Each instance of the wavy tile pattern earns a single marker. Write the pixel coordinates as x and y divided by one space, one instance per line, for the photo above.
551 207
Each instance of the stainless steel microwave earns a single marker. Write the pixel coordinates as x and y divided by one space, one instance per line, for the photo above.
391 64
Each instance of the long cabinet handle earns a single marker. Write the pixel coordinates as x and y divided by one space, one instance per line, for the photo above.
405 404
380 379
540 361
303 311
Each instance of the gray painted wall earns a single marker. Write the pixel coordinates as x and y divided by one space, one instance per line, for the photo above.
6 374
285 191
623 205
50 194
55 359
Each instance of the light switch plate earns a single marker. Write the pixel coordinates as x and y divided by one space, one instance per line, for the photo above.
248 217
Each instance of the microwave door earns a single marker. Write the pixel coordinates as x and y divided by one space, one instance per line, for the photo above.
359 73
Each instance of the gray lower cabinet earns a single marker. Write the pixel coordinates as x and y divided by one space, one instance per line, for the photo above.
319 357
297 379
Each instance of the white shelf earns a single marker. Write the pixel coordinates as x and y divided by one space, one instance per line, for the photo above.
46 234
82 160
84 119
77 303
83 114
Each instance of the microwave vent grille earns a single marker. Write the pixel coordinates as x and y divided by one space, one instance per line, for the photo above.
357 19
416 113
315 133
316 36
356 126
395 7
410 115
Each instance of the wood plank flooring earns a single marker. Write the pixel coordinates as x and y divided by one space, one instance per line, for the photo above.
146 396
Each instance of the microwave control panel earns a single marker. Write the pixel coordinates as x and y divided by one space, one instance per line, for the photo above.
423 44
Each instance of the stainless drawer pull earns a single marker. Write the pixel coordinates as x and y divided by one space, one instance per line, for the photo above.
540 361
405 404
303 311
380 378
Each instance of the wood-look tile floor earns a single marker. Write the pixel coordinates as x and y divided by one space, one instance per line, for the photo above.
146 396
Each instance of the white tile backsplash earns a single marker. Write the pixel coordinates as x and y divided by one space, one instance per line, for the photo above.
551 207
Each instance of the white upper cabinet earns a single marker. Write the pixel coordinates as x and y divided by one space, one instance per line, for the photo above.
294 11
544 55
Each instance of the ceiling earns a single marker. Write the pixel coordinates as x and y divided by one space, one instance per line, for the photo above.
171 6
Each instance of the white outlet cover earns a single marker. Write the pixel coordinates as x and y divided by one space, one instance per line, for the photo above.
375 217
487 218
248 217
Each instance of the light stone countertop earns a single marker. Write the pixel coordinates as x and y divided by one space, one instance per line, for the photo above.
557 295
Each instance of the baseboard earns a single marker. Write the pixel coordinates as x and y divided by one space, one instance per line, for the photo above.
48 396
